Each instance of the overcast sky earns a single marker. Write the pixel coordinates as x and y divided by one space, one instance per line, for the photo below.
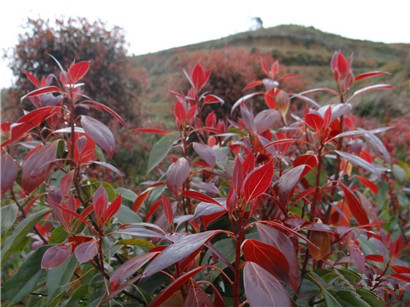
154 25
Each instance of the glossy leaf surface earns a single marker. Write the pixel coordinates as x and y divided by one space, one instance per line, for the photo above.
262 288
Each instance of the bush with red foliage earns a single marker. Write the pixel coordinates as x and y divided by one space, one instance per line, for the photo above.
268 209
111 79
232 68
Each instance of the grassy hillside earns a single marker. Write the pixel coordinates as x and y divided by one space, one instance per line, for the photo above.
307 51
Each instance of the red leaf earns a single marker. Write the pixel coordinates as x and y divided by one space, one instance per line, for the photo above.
205 209
266 119
314 121
86 251
199 78
370 88
177 173
264 66
175 285
327 118
113 208
78 70
355 206
197 297
191 113
107 109
141 232
369 184
268 257
283 227
199 196
100 201
400 269
258 181
206 153
178 251
152 209
128 268
38 166
43 90
29 121
212 99
84 148
400 276
238 174
5 127
285 142
357 256
308 160
9 170
31 203
368 207
341 63
288 76
262 288
370 74
375 257
140 199
287 183
270 98
167 210
32 79
100 133
66 181
152 130
179 112
282 242
56 255
253 84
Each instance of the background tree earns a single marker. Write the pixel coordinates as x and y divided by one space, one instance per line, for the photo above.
231 70
258 23
112 79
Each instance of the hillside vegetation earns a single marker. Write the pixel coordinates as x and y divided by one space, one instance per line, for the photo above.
304 50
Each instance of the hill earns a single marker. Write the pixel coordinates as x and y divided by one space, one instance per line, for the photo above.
307 51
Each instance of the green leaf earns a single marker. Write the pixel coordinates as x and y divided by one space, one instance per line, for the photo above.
160 151
60 275
351 276
311 177
78 295
331 301
126 216
93 185
237 131
371 298
58 235
96 290
110 191
399 173
25 280
19 234
8 217
146 245
348 298
127 194
326 275
227 248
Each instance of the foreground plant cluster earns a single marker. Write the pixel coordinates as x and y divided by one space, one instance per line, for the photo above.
266 209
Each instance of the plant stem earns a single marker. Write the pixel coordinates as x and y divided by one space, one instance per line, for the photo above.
240 236
13 196
319 168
